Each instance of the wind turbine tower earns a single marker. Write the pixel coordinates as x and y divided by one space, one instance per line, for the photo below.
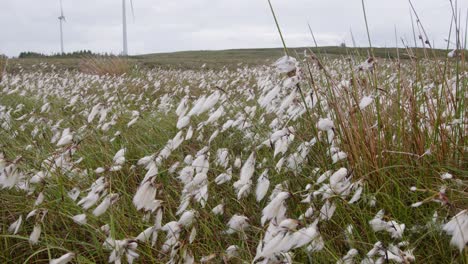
124 26
61 20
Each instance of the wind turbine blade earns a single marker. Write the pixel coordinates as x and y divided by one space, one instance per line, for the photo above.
61 9
131 7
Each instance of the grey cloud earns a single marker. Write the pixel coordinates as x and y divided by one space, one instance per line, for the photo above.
161 26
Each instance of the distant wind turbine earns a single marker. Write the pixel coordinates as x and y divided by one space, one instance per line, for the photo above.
61 20
124 25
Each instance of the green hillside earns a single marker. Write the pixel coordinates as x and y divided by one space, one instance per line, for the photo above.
216 59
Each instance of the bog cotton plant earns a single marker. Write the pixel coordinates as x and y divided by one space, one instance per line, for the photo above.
244 184
457 227
286 238
64 259
121 248
15 226
237 223
396 230
180 166
286 64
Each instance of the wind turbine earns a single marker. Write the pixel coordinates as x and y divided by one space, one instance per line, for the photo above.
61 20
124 26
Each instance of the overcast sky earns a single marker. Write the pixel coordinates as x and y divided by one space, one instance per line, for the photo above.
173 25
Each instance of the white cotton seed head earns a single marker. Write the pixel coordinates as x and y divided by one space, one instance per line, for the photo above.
187 218
64 259
232 251
309 212
105 228
189 134
193 235
74 193
339 156
144 196
417 204
183 122
208 259
365 101
396 230
248 169
457 227
35 234
94 111
237 223
145 235
39 199
115 168
348 258
197 108
119 158
452 53
244 184
145 160
223 177
378 224
99 170
275 209
65 140
325 124
15 226
372 201
31 214
324 176
218 210
289 224
446 176
244 190
237 163
327 210
338 176
104 205
183 107
131 123
357 195
285 64
222 157
263 184
79 219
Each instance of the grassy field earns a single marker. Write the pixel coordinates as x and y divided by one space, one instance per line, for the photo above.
254 57
231 59
331 158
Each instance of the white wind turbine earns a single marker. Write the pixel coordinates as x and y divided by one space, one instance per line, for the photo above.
61 20
124 25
